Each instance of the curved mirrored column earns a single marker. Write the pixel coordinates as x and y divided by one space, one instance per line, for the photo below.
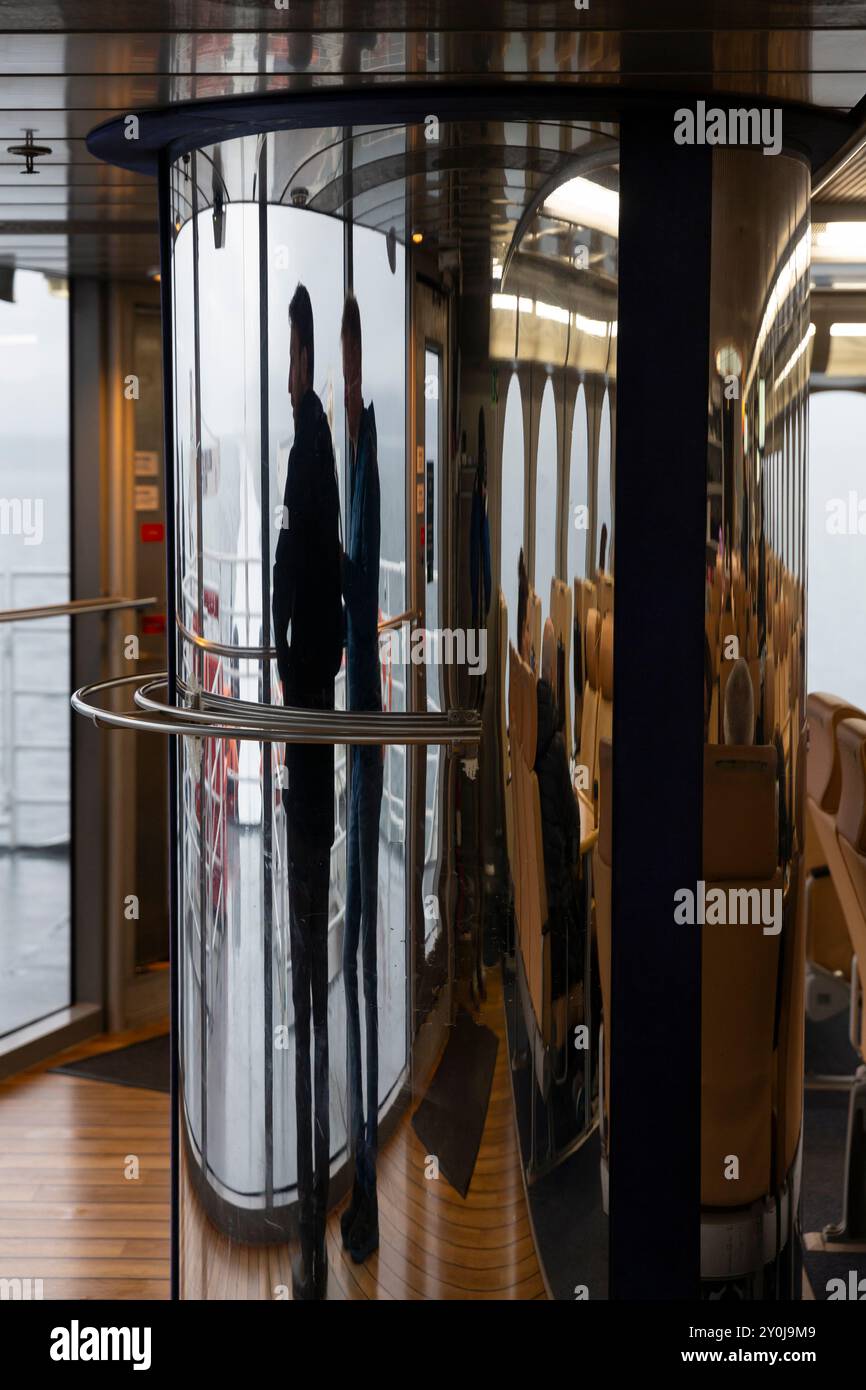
749 905
394 432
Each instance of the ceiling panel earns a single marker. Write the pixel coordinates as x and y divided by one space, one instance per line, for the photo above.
69 65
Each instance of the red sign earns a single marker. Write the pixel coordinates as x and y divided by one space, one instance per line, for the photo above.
152 624
151 531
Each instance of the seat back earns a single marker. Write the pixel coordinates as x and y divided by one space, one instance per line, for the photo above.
851 830
589 713
828 942
530 890
534 615
739 973
605 594
584 601
604 721
560 616
823 764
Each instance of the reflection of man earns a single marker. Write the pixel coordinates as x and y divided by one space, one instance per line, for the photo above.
308 639
360 1222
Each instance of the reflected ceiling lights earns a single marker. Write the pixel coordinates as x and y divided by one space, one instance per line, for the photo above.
848 330
728 361
587 203
841 241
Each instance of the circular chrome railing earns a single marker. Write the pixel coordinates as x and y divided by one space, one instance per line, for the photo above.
218 716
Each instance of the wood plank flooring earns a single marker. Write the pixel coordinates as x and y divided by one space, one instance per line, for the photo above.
68 1214
70 1217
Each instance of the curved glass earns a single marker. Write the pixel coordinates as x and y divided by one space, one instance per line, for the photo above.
546 481
354 358
837 556
753 922
513 489
578 480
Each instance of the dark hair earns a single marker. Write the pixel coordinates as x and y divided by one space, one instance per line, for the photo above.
522 595
301 319
350 328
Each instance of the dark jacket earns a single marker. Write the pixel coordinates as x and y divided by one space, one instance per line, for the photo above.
306 609
361 569
560 833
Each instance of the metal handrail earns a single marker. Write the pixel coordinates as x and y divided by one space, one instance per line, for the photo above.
207 644
273 723
73 608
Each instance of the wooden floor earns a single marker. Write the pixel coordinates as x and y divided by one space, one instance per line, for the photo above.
433 1243
69 1216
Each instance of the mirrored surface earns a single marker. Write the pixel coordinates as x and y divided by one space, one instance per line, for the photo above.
394 470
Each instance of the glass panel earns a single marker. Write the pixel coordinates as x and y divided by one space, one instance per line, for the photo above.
578 509
837 555
35 941
512 501
545 499
752 916
432 549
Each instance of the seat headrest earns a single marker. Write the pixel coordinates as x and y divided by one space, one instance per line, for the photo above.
605 800
560 607
741 834
824 714
522 708
605 658
593 637
851 816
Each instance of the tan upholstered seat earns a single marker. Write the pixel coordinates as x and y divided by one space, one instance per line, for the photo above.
584 601
560 615
535 625
604 722
530 890
828 938
851 828
739 974
591 694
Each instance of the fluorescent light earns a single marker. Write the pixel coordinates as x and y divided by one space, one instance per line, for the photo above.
596 328
551 311
506 302
842 239
18 339
526 306
848 330
795 357
497 270
586 203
